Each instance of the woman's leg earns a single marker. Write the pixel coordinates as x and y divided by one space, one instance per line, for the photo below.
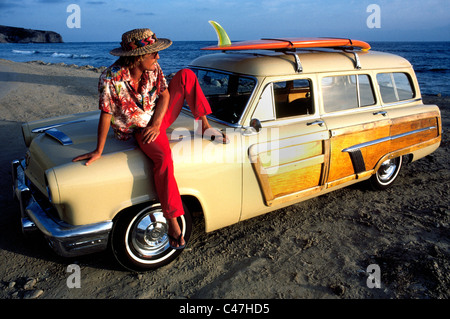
166 186
184 86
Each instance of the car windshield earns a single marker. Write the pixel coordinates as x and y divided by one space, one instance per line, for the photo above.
227 93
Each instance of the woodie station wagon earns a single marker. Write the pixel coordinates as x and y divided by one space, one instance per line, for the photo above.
300 123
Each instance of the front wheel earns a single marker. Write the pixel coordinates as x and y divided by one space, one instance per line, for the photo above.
386 174
139 239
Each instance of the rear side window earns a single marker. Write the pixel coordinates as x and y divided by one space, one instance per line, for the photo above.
395 87
345 92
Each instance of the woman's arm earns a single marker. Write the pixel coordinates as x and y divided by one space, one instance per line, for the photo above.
151 132
103 128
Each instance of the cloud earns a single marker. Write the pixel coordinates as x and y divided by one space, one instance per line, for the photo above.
51 1
146 14
122 10
5 5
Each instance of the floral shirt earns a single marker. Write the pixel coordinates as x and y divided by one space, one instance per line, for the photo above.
130 109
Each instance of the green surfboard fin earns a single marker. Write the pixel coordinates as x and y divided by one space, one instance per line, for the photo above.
222 36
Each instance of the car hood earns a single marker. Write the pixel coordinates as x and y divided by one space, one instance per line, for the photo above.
55 142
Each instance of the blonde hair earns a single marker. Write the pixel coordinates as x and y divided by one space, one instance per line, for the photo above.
130 62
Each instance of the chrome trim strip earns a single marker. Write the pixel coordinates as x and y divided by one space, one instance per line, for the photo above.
401 102
374 107
20 189
290 120
385 139
366 144
48 127
414 132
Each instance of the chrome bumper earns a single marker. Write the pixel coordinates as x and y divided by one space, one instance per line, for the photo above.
65 239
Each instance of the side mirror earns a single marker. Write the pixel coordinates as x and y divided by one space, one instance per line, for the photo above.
256 125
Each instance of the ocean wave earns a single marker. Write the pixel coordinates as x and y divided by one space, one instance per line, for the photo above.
61 55
26 52
53 54
70 56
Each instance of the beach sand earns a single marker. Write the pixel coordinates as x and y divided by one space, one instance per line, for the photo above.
319 248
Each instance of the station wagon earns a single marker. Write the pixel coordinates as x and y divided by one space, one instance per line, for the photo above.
299 125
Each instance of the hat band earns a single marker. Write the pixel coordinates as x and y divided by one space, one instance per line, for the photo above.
136 44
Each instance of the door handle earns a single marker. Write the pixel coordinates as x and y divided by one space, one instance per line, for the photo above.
384 113
318 122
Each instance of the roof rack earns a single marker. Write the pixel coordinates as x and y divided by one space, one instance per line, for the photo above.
298 65
357 62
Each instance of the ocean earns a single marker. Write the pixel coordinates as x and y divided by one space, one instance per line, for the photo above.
431 60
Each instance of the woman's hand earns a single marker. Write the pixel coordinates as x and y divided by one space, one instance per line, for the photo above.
149 134
103 127
152 131
91 157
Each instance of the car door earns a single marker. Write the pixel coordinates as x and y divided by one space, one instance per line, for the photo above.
355 120
289 155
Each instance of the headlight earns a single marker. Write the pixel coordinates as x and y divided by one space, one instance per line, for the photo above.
26 134
52 186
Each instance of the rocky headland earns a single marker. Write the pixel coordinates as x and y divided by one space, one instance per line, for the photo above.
21 35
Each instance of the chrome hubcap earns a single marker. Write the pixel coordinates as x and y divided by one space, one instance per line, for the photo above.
387 170
148 236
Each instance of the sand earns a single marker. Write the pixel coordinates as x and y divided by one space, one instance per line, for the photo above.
319 249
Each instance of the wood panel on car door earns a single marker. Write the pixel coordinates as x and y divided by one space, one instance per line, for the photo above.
352 150
293 163
413 127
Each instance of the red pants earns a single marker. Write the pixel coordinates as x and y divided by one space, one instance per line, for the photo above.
183 86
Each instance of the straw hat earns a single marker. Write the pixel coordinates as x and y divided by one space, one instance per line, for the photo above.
140 42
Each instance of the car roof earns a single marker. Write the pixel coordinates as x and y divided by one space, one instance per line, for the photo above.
270 63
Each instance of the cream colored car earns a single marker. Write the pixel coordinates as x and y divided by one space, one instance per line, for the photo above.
298 127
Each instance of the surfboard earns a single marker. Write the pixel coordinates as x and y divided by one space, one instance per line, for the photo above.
291 43
224 43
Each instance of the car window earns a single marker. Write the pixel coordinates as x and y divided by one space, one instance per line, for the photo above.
345 92
366 94
265 110
395 87
293 98
285 99
228 94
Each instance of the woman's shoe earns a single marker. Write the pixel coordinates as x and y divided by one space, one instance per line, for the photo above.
176 240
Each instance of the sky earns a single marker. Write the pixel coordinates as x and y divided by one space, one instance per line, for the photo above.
187 20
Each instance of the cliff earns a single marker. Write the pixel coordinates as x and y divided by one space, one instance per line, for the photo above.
20 35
